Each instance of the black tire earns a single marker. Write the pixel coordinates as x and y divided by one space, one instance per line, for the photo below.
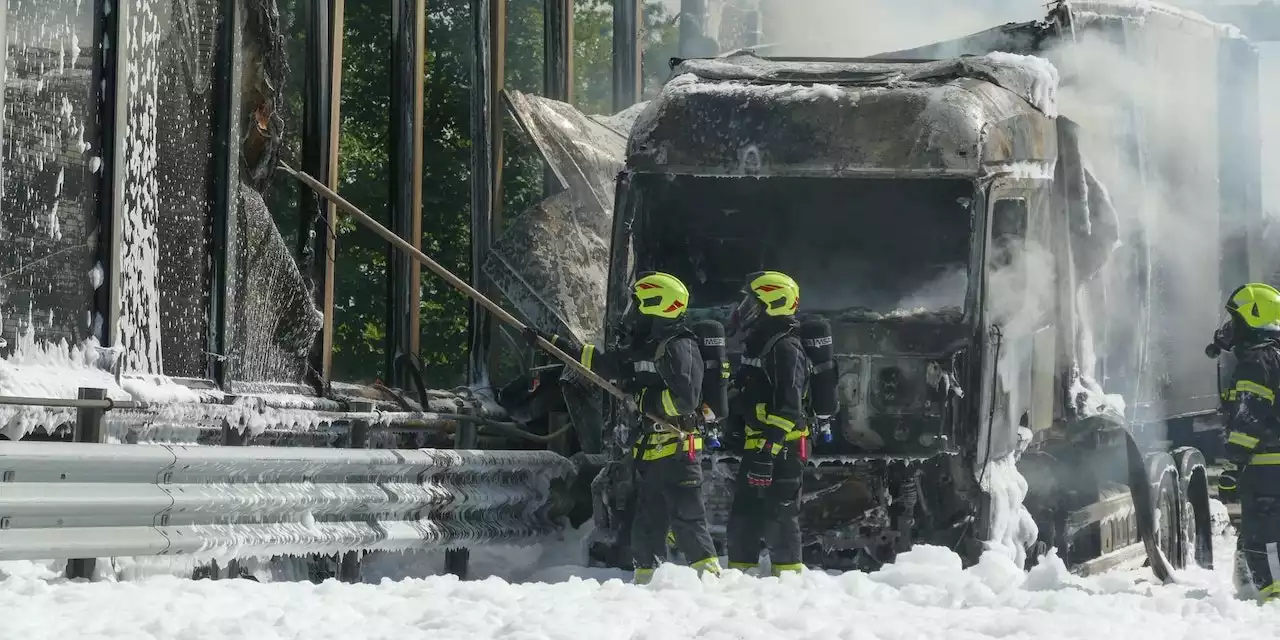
1146 474
1168 531
1196 543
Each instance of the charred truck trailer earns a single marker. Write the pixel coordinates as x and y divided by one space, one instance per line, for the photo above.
1168 106
979 271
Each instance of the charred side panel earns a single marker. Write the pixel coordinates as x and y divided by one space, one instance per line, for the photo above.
1023 38
1144 82
551 264
49 172
1172 80
272 319
747 116
185 54
552 261
731 129
272 313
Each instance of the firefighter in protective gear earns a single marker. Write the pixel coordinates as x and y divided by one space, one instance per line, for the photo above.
770 384
663 368
1251 473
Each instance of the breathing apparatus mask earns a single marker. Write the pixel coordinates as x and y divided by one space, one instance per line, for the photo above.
1235 331
632 326
1223 338
746 313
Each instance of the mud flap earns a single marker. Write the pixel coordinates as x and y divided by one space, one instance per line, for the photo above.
1144 508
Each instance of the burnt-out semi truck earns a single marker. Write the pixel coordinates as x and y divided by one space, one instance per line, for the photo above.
943 216
1168 102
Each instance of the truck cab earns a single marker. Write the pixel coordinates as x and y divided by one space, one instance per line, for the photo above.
939 214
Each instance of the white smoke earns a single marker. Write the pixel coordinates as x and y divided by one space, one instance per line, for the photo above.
946 291
1165 190
843 28
1167 208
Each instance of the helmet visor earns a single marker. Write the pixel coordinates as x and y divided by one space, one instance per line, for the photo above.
631 312
1224 337
745 313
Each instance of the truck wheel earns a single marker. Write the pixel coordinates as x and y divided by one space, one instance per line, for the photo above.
1145 475
1195 543
1168 504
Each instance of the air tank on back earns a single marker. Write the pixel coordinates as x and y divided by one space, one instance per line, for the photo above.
715 379
815 337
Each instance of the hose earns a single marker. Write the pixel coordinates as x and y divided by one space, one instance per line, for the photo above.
507 428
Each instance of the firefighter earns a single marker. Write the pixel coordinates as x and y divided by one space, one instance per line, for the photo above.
770 384
662 367
1251 472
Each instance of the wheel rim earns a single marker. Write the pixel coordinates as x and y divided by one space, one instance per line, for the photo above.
1166 533
1190 542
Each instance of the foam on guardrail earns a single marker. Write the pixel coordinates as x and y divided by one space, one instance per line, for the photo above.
84 500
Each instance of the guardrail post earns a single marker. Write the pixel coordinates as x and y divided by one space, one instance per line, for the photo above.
89 421
349 569
359 437
88 429
456 560
556 421
231 435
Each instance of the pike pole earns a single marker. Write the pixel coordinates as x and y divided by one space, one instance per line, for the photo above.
457 283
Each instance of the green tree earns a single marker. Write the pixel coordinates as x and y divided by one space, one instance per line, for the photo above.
364 163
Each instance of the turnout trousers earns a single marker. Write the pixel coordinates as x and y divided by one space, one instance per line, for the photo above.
1257 551
669 498
770 514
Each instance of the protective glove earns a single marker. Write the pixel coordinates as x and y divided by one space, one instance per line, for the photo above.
531 335
1227 483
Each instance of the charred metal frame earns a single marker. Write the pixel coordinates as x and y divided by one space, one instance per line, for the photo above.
626 53
110 69
557 80
327 242
406 181
315 122
557 74
479 327
312 232
557 26
498 72
223 172
419 110
4 46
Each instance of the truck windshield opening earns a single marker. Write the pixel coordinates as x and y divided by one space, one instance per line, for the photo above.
861 249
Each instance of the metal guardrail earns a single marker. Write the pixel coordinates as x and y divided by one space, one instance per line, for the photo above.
226 421
89 500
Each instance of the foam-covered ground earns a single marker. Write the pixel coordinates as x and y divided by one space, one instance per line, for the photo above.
924 595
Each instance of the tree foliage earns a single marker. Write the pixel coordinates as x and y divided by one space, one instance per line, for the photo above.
360 287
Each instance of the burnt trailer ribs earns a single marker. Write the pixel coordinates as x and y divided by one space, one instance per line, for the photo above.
979 264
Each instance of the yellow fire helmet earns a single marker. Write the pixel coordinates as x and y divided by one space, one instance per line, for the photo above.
771 292
660 295
779 294
1257 305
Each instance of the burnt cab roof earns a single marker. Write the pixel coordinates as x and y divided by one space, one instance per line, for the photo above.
747 115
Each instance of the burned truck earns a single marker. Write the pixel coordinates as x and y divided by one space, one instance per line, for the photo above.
1168 103
940 215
